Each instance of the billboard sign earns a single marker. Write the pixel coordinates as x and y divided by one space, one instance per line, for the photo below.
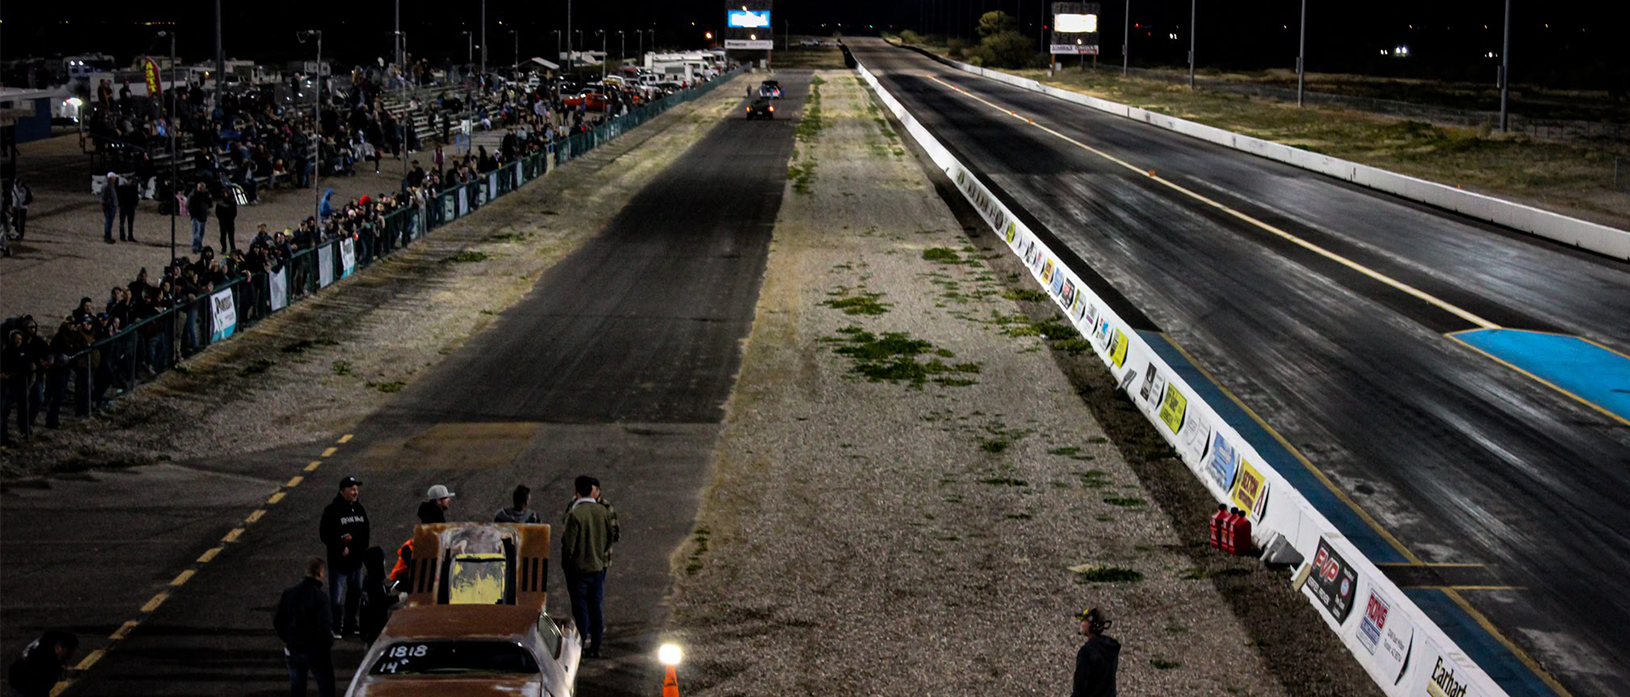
747 19
749 44
1075 29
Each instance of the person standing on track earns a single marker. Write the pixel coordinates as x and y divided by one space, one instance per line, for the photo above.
344 530
519 512
36 672
1096 662
585 553
306 627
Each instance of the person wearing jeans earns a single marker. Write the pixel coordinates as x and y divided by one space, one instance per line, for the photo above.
585 550
198 205
344 530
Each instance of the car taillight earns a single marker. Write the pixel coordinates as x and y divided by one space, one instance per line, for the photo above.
772 108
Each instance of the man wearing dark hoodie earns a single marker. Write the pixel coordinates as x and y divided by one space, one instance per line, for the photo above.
1097 660
344 530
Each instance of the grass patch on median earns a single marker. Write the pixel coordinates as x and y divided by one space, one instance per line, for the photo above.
894 357
466 257
863 304
1108 574
802 176
812 122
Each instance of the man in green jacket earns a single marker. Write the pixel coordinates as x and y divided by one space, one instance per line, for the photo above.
585 552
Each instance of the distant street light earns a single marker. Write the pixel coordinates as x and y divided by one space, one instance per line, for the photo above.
1194 15
1505 72
1301 56
1126 41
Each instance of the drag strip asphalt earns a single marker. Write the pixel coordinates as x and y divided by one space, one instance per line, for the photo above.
1460 458
617 364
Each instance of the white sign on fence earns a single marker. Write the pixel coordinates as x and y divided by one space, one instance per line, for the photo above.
492 185
224 315
463 201
325 265
348 257
277 284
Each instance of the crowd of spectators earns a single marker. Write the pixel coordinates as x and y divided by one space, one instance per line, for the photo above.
247 134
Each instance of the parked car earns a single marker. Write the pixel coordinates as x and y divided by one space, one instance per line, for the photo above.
596 101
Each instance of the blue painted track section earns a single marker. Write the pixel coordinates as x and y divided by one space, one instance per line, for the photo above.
1508 672
1588 371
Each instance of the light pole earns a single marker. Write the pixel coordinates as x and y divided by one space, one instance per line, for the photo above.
483 36
1301 56
602 34
516 34
396 37
316 125
559 59
579 45
220 57
1194 14
1505 72
469 47
568 36
1126 41
622 50
175 176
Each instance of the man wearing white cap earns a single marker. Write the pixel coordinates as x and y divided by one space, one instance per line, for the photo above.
110 206
439 497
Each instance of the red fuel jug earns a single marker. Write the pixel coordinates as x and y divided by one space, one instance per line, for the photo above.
1216 525
1227 529
1240 531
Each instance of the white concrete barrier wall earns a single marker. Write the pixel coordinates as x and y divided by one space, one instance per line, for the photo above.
1400 647
1597 238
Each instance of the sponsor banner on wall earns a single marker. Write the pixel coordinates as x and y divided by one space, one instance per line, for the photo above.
1224 462
492 185
1012 233
1117 349
325 265
1153 384
1386 633
277 283
1442 675
1173 407
463 201
1249 486
450 207
1332 582
224 315
348 257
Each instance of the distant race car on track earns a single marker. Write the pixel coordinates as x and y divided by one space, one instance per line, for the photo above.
770 89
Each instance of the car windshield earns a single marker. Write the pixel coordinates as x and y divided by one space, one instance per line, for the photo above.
454 657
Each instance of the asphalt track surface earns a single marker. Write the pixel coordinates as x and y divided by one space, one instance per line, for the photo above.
616 364
1462 460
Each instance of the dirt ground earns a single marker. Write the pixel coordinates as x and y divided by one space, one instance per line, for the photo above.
331 360
918 482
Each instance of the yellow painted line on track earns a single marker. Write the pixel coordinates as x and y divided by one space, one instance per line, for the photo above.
89 660
209 555
156 601
123 630
313 466
294 481
1558 388
182 578
233 535
274 498
60 686
345 438
330 451
255 516
1451 591
1305 244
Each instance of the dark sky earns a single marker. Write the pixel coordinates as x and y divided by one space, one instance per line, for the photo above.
1582 42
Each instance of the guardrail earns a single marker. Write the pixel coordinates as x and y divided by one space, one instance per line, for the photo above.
152 346
1400 647
1600 239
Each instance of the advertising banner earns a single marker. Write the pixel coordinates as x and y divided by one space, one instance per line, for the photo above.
1388 636
1224 462
749 44
1332 583
463 202
1441 675
492 185
1248 489
1075 29
325 265
278 284
150 73
223 315
747 19
1173 407
348 257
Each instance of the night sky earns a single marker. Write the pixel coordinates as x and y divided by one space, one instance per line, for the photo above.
1582 43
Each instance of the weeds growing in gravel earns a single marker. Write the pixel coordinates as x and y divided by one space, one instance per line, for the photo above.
1108 574
693 562
257 366
892 357
863 304
340 367
1163 664
303 344
802 177
944 255
467 256
1024 294
391 387
1124 501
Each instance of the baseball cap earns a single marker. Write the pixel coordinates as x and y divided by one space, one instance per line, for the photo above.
438 491
1093 615
349 482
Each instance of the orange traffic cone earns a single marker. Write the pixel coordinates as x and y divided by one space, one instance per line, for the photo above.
670 684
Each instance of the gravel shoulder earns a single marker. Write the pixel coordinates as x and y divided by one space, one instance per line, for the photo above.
325 363
915 485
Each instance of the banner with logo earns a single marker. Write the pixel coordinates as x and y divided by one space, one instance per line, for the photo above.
1386 633
325 265
463 196
348 257
492 185
1333 582
223 315
277 284
150 73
